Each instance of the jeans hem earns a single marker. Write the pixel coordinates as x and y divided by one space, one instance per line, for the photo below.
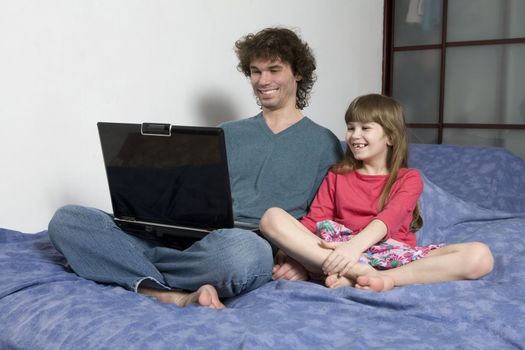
149 280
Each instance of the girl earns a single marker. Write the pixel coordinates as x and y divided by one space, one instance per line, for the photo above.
365 216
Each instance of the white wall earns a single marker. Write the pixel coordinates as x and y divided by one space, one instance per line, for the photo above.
66 64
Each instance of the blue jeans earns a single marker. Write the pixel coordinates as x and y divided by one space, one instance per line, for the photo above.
234 261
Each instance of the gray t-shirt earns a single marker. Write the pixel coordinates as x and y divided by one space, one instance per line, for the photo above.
277 170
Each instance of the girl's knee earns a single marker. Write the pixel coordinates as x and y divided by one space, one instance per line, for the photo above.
271 220
481 261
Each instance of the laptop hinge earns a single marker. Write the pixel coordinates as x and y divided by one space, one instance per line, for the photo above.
155 129
150 225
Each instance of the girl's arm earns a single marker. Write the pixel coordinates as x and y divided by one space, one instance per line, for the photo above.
347 254
396 212
374 232
323 205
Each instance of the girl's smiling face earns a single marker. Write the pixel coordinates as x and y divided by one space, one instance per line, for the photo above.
368 142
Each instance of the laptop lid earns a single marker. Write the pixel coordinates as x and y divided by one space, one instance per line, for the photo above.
162 176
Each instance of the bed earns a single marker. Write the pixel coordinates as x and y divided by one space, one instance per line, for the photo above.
471 194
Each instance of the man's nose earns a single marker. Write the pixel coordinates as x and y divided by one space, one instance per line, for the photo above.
265 78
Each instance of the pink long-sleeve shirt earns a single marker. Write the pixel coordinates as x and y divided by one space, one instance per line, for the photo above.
352 199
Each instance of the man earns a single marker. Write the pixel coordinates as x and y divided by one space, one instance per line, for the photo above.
277 158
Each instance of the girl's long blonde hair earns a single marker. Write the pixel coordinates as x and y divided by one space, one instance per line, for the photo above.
388 113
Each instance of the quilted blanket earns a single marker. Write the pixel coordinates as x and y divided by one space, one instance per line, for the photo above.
471 194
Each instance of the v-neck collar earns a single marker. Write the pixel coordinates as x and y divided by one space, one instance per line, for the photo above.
270 133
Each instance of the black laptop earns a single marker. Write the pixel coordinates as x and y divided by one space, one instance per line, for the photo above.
168 181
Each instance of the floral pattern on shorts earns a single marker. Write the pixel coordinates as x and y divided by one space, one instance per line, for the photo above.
385 255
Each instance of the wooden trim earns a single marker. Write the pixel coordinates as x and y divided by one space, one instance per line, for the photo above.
486 42
460 43
417 47
388 29
483 126
423 125
441 106
466 126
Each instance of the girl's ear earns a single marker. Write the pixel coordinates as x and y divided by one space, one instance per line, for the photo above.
298 77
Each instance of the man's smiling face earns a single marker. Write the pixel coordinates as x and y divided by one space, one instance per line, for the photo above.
274 83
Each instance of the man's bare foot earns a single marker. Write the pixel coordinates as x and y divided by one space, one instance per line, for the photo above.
336 281
206 295
377 282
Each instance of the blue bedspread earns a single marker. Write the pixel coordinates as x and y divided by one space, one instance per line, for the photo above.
470 195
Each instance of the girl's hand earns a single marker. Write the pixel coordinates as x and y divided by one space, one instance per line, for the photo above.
342 258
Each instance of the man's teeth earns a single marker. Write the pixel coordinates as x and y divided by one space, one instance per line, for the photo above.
267 92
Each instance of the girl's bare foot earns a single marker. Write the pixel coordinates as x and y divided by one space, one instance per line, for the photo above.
349 278
336 281
377 282
206 295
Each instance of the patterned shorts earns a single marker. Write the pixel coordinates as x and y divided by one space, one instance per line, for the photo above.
385 255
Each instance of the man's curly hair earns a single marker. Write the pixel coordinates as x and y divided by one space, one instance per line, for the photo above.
283 44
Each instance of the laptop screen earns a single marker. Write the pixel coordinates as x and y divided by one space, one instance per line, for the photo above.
177 176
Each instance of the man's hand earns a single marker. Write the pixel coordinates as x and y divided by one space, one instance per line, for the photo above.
286 268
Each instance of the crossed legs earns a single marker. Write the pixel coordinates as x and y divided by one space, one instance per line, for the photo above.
223 264
453 262
299 243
